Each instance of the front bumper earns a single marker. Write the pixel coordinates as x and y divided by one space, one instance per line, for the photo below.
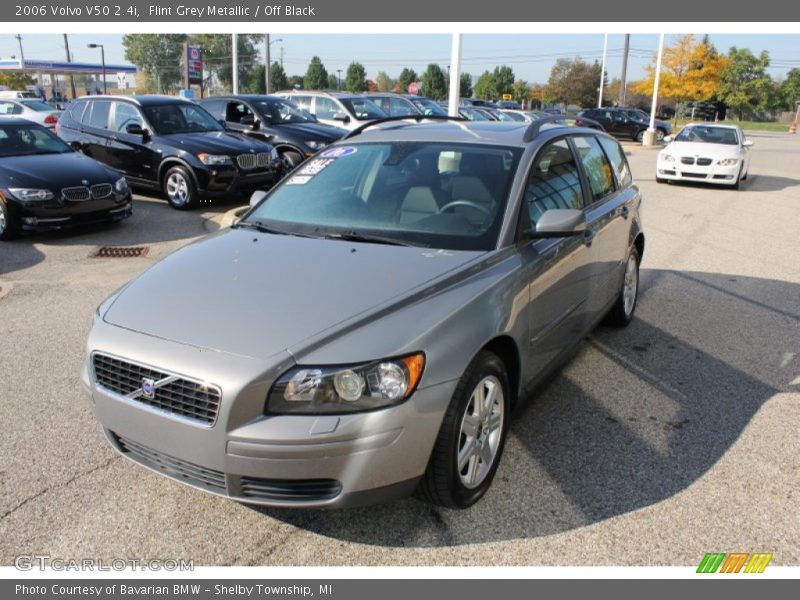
714 173
329 461
55 215
232 181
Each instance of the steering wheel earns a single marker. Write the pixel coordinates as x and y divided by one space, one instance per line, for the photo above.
474 205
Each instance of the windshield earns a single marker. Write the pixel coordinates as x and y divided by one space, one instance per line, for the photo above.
19 140
278 112
429 107
363 109
180 118
37 105
708 135
474 115
447 196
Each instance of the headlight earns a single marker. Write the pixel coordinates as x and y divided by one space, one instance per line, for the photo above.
214 160
121 185
31 194
315 145
727 162
346 389
667 158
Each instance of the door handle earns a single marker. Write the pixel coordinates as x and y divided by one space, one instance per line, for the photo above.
588 236
625 212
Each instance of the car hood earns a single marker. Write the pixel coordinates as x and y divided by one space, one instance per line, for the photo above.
312 131
215 142
254 294
679 149
53 171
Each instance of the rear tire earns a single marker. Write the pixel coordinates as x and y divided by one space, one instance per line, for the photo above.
9 228
291 160
621 314
472 436
180 188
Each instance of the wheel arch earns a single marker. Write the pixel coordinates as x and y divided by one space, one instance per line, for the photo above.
506 349
174 161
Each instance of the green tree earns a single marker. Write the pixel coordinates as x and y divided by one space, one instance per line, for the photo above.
384 82
746 86
465 86
277 77
503 79
790 89
573 82
356 78
406 76
158 58
316 76
333 82
15 81
521 91
434 84
295 82
484 87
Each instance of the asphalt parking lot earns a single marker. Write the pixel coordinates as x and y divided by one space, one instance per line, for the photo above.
672 438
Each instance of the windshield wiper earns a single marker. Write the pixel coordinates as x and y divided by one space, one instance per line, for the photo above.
355 236
263 228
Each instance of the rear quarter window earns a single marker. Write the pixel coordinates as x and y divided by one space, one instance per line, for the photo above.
595 165
616 155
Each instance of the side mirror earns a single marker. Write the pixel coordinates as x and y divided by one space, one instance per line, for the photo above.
668 138
248 120
134 129
257 196
223 123
560 222
747 144
341 117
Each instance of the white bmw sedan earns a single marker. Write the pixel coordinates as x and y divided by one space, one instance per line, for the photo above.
711 153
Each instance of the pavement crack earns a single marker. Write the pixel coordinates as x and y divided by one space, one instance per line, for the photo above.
58 486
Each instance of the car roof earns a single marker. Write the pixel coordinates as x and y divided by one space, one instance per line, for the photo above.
17 121
332 93
456 131
712 124
245 97
143 100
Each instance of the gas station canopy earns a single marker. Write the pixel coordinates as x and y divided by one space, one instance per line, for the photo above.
63 67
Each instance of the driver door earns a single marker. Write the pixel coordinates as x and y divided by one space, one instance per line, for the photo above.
127 152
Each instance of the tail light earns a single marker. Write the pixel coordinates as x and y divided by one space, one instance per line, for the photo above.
50 120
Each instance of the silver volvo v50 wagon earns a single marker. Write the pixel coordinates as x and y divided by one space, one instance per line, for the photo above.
365 330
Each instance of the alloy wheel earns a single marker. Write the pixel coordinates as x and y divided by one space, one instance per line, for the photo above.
481 432
177 189
630 286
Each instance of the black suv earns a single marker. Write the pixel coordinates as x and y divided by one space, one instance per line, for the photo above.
624 122
170 145
295 133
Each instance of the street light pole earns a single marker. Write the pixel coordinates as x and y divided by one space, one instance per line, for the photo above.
235 46
103 60
267 86
650 134
339 80
455 72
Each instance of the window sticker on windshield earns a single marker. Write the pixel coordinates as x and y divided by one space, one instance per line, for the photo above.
299 180
315 166
339 152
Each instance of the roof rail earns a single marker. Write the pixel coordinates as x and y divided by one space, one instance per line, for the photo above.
533 128
417 118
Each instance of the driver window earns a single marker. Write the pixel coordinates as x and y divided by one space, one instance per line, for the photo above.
124 115
554 181
237 113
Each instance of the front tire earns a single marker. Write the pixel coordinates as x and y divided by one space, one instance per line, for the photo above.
291 160
180 188
640 136
9 229
621 314
472 436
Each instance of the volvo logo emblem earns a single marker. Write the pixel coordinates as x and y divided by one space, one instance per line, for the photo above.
148 388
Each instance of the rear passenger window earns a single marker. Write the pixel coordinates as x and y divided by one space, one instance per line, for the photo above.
595 163
99 114
75 110
616 155
554 181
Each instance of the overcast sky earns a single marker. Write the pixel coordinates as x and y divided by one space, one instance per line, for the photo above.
530 56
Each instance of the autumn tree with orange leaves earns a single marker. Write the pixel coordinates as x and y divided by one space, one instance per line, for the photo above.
691 71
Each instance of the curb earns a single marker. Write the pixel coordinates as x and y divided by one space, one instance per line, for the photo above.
225 219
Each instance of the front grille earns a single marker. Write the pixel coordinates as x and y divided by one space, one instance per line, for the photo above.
101 190
251 161
687 160
695 175
76 194
289 489
174 394
173 467
704 162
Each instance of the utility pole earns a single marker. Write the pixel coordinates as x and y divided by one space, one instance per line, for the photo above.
21 53
235 46
623 91
281 57
69 59
455 80
268 87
